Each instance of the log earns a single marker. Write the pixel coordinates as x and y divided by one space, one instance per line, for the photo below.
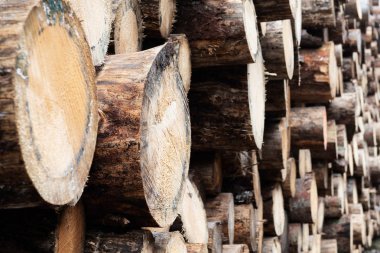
196 248
370 135
273 207
320 215
289 185
46 149
202 23
304 162
319 77
342 143
353 9
284 240
215 235
321 172
308 128
275 10
158 16
42 230
333 207
305 237
353 42
278 49
310 40
128 104
303 206
338 34
97 36
207 167
329 246
344 110
330 153
348 69
245 226
132 241
318 14
221 208
221 116
259 227
169 242
339 229
271 245
358 223
241 177
278 101
192 219
295 237
128 27
276 148
235 248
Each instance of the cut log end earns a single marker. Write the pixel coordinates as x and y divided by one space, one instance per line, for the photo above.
250 27
184 59
169 242
287 40
256 98
57 141
166 141
167 16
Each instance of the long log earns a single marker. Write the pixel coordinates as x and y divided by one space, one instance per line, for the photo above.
221 115
318 14
245 226
275 10
308 128
221 208
137 181
278 49
202 23
158 16
46 146
319 77
303 206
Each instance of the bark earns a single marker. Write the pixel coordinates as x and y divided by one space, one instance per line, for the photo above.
207 167
321 170
289 185
278 99
310 41
318 13
370 135
333 207
169 242
245 226
308 128
284 240
303 206
221 208
133 241
42 230
295 237
158 16
274 213
353 42
338 34
274 10
339 229
138 108
319 77
348 69
37 121
215 235
208 22
330 153
278 49
352 9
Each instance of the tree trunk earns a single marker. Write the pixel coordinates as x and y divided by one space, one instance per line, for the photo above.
215 235
192 219
133 241
274 213
46 146
308 128
303 206
245 226
339 229
274 10
207 167
208 22
158 16
97 36
140 108
169 242
319 77
128 27
333 207
221 208
278 49
278 100
318 14
42 230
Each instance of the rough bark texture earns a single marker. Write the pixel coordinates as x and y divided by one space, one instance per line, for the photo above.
278 99
37 122
318 13
339 229
273 10
295 237
137 110
333 207
338 34
318 75
245 225
308 128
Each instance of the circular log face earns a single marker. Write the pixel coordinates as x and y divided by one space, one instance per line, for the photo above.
167 14
287 40
165 140
55 103
250 27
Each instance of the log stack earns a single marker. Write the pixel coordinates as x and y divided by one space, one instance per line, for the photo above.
197 126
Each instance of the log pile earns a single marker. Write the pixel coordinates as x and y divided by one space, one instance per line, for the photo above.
189 126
